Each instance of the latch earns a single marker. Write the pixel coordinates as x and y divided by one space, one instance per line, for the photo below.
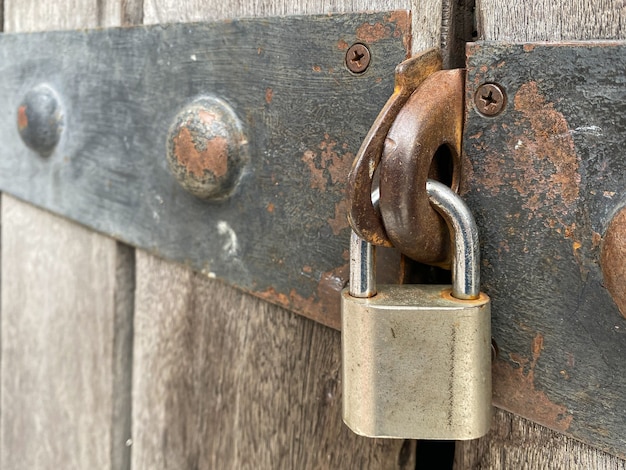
530 134
416 136
416 359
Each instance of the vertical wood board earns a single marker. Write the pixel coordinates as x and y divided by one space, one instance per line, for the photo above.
67 303
223 380
515 442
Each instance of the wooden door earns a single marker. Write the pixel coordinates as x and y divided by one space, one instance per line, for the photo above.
114 359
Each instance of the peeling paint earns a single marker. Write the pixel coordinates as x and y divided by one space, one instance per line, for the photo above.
340 221
328 168
213 157
370 33
22 118
514 389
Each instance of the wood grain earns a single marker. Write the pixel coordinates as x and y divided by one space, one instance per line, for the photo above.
426 14
66 312
67 305
515 442
546 20
223 380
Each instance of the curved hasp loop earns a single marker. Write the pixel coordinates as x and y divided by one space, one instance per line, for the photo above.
430 119
363 214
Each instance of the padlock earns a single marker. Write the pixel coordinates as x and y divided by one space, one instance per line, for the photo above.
416 359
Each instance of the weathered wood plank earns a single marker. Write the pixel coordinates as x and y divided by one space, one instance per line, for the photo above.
66 318
67 304
513 441
517 443
223 380
546 20
426 14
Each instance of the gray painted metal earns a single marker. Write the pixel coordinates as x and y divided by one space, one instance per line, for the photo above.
283 233
544 179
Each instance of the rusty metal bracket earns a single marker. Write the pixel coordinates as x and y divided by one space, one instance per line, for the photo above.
423 142
225 146
416 136
545 176
364 216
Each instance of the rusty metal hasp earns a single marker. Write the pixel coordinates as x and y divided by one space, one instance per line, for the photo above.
416 136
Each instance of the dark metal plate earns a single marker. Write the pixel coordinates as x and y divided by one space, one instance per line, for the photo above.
283 234
545 178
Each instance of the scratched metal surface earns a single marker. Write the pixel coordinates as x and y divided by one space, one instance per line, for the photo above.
283 234
544 179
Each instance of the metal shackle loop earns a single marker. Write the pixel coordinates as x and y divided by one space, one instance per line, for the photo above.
362 264
464 239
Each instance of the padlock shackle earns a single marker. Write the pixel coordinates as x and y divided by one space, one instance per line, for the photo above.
464 238
362 263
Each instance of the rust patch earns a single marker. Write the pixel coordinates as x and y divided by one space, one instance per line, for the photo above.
324 306
402 22
514 389
270 208
318 179
370 33
22 119
269 94
317 69
529 47
340 221
329 166
213 157
613 260
550 142
342 45
328 163
541 164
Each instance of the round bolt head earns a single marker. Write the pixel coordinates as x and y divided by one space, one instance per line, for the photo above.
40 119
613 259
358 58
207 149
489 99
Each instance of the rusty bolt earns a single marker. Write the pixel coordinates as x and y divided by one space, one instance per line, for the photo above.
489 99
207 149
40 119
613 259
358 58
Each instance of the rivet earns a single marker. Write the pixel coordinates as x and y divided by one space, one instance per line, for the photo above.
490 99
40 119
358 58
206 148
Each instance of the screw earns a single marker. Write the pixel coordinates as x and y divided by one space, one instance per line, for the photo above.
358 58
489 99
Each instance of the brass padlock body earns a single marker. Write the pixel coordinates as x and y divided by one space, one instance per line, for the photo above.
416 363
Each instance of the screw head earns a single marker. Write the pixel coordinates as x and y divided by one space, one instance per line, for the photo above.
490 99
207 149
358 58
40 119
